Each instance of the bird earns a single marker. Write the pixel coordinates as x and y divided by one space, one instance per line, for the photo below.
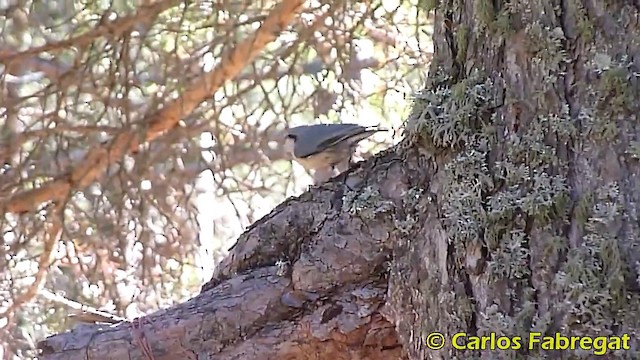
325 145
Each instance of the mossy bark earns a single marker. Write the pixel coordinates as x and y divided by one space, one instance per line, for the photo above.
530 221
509 208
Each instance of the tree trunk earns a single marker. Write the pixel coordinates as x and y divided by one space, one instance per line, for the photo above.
509 209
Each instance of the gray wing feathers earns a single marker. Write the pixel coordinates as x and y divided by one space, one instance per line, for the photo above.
316 138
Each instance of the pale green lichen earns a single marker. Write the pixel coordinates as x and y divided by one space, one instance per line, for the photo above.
592 279
502 25
462 42
546 197
413 202
583 23
582 209
524 185
634 150
601 62
496 321
549 55
520 8
485 13
512 259
616 88
448 116
367 203
475 206
615 94
467 178
531 148
597 128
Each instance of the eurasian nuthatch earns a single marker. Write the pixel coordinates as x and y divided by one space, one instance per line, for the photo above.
325 145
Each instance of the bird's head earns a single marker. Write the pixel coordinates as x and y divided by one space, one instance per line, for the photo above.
290 142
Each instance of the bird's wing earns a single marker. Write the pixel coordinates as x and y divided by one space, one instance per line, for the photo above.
353 136
328 135
310 138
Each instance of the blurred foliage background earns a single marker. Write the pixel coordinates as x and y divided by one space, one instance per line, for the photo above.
75 73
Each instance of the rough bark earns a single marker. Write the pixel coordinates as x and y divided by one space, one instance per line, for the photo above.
308 281
510 207
532 225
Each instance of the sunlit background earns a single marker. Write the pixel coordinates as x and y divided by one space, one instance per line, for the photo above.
150 231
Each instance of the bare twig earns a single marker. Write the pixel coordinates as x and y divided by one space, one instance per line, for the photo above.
146 13
97 160
52 236
83 313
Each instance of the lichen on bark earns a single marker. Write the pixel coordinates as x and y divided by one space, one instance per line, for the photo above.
534 139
